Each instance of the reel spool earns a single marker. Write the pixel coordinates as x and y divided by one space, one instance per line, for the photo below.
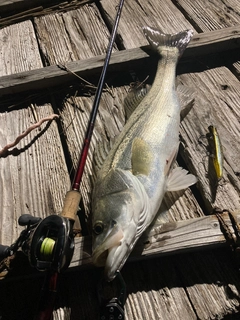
51 245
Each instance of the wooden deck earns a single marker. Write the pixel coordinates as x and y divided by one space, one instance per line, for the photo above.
41 45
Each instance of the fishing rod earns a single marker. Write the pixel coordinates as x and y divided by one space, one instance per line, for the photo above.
72 198
83 157
49 242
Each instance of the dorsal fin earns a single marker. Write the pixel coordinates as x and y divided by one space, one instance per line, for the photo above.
186 97
134 97
101 152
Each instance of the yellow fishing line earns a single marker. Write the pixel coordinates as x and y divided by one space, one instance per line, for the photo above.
47 247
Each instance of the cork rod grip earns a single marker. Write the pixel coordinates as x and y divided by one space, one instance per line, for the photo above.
71 203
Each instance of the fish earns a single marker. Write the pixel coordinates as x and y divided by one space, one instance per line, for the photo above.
138 169
216 151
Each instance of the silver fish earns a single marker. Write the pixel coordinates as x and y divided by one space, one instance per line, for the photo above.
138 170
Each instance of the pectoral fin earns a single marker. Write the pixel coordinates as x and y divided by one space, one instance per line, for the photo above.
142 157
179 179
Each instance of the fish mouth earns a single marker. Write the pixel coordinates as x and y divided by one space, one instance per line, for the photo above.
102 255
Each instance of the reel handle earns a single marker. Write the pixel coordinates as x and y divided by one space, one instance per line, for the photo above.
26 219
4 251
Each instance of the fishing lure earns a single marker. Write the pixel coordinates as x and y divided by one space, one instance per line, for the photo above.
216 151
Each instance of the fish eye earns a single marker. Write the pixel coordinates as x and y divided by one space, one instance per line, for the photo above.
98 228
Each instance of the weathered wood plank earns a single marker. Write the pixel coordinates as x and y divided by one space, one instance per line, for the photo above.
73 35
53 75
20 10
136 14
171 238
212 15
19 49
150 286
34 176
216 96
212 295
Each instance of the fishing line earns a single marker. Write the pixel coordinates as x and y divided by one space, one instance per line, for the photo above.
47 248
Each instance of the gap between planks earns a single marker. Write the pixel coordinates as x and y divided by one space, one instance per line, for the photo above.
201 44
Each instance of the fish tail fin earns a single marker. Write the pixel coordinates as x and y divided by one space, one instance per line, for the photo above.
158 39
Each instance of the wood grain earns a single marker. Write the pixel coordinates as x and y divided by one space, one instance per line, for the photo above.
202 44
211 15
19 49
34 177
137 14
217 96
72 36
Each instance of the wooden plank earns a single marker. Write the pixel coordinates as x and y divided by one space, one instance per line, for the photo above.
213 15
216 96
53 75
13 11
72 35
150 286
33 176
171 238
19 49
137 14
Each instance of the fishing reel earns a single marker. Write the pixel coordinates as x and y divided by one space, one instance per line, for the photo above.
51 245
48 243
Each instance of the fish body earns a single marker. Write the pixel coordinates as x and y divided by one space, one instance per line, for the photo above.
216 151
138 169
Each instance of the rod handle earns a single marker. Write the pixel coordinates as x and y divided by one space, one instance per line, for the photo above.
71 204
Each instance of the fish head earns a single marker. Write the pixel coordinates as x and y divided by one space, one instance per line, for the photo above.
119 202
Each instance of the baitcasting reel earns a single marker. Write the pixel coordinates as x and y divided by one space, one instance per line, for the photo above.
51 244
48 243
